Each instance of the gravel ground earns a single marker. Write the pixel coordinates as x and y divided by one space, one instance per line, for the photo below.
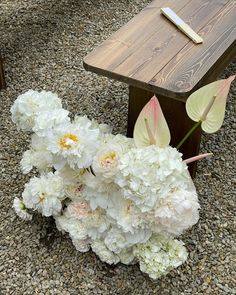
43 43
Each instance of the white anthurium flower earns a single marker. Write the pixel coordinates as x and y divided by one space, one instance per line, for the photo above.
151 127
44 194
207 104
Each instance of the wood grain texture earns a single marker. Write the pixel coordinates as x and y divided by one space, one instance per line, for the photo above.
177 119
189 67
2 78
131 36
150 53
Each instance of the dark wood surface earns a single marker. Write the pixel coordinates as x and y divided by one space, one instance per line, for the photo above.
2 78
149 52
178 122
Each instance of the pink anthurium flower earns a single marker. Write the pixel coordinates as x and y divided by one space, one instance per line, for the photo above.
151 127
196 158
207 104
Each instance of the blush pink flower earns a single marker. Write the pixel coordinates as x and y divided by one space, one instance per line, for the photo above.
79 209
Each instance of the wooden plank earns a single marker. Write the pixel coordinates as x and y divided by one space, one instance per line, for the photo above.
146 62
131 36
192 65
177 119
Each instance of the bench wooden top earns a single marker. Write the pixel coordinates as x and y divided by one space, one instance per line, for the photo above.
149 52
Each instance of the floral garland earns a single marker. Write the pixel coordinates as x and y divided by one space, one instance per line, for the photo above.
126 199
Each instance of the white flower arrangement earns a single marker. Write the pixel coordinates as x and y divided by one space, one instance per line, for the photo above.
126 199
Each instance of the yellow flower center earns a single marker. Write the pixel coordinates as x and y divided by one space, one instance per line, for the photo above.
67 140
42 197
108 159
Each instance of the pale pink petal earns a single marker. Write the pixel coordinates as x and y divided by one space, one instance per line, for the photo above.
196 158
151 127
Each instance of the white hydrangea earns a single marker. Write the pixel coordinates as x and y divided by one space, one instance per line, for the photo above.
159 255
20 209
73 144
49 119
116 240
38 156
148 174
104 253
177 212
27 107
44 194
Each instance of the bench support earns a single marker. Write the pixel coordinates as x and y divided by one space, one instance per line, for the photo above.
2 78
178 121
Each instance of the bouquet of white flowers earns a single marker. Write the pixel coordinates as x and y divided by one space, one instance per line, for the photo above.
126 199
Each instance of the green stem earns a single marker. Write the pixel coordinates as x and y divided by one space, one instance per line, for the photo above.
188 134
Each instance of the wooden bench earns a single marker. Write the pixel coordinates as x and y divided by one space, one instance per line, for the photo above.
2 78
152 56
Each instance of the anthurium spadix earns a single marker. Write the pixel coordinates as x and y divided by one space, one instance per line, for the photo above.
151 127
207 104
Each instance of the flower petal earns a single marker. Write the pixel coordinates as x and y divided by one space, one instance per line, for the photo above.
207 104
151 127
196 158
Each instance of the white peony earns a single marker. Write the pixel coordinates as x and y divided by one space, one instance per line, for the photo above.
159 255
73 226
72 144
20 209
44 194
104 253
106 162
27 107
149 174
124 213
98 192
38 156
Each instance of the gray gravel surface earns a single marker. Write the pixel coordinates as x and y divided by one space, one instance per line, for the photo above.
43 43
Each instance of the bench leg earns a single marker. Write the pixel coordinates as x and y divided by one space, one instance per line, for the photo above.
178 121
2 79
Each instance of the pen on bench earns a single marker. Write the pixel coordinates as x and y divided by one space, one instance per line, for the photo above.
186 29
